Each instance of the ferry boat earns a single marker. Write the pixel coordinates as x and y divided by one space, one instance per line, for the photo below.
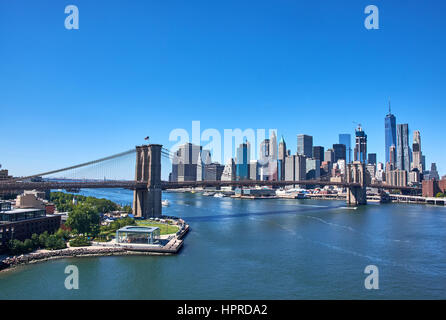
255 193
292 193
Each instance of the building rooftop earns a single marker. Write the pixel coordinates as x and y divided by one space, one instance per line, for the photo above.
18 210
139 229
13 215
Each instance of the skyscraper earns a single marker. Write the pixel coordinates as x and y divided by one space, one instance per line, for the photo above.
273 145
371 158
434 173
272 165
262 163
229 171
213 171
282 156
390 133
318 153
204 158
200 168
295 168
402 147
280 170
339 152
264 150
242 162
380 172
305 145
392 158
290 172
300 168
267 163
312 168
253 170
184 162
329 155
360 146
346 139
417 162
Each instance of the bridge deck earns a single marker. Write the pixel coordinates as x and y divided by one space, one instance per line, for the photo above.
126 184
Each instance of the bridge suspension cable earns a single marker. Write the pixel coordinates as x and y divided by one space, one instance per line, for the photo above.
167 153
121 154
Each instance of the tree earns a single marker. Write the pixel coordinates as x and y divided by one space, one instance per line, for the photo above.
16 247
54 242
35 240
79 241
44 240
28 245
103 205
43 237
85 219
63 234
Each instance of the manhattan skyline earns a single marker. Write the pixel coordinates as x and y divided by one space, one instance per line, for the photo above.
70 96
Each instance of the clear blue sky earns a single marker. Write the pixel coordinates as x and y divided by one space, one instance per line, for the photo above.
138 68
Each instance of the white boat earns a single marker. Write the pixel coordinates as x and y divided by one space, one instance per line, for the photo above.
218 195
165 203
292 193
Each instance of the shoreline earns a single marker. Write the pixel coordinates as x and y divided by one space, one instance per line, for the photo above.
397 199
42 255
12 262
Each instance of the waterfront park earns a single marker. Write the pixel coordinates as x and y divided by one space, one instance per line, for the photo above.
92 223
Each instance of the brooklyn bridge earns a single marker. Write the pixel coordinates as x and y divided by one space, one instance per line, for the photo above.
147 184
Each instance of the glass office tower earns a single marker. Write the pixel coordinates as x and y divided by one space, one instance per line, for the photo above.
242 162
318 153
345 139
390 133
402 147
305 145
340 152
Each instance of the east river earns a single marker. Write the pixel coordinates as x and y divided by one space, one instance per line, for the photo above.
262 249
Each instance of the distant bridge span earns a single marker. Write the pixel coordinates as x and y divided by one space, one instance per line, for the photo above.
148 185
253 183
165 185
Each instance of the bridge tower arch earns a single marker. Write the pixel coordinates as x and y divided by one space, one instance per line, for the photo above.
147 195
356 174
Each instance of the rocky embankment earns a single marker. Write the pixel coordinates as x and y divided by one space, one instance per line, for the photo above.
94 250
48 255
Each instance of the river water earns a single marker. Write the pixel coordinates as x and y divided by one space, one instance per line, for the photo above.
262 249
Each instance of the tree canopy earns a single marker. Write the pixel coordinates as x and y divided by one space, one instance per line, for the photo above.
85 219
64 202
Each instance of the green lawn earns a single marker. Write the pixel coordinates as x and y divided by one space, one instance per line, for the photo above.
164 228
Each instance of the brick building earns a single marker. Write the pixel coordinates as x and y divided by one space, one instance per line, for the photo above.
20 224
430 188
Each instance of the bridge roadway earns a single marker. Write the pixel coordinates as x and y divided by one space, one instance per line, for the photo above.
134 185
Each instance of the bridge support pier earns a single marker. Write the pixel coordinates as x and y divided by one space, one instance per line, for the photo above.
147 199
356 173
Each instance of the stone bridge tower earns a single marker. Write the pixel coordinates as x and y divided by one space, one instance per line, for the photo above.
356 173
147 195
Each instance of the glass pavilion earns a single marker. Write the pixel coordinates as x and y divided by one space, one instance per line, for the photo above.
138 235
